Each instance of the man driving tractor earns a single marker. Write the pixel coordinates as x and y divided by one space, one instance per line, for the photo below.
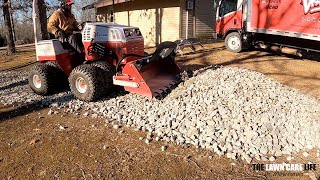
62 24
94 72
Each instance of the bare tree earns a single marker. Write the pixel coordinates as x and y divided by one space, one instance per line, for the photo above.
8 26
84 14
21 11
25 6
42 24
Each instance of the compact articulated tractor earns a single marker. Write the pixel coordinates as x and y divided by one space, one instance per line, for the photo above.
114 55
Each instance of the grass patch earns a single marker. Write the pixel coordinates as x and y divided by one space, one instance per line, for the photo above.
17 59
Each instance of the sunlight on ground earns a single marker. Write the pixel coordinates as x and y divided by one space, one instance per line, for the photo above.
302 74
17 59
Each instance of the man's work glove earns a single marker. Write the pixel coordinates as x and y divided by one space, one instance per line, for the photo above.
81 25
61 36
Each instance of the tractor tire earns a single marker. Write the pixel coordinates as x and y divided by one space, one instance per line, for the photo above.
42 79
62 79
105 66
233 42
86 83
53 64
108 72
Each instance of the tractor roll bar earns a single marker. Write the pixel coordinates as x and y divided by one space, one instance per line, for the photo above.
34 19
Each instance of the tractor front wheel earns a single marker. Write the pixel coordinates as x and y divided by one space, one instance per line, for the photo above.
86 83
41 79
108 72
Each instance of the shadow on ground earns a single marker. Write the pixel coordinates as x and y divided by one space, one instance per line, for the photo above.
9 112
15 84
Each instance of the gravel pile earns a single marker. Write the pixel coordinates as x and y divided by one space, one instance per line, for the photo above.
232 111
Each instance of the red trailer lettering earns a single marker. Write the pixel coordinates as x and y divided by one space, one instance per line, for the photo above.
311 6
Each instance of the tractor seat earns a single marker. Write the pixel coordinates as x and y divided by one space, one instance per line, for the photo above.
65 45
52 47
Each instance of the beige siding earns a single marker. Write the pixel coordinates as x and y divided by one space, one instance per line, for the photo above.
156 25
165 20
122 17
170 24
144 19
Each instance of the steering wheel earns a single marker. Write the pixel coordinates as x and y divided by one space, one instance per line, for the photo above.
81 25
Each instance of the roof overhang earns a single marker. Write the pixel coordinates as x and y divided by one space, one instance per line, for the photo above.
104 3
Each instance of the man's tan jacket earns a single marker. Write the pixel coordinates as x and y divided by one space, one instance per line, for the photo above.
64 21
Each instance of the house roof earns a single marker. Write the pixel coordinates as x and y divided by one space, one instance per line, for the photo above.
103 3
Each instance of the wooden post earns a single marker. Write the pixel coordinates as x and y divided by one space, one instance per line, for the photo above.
112 14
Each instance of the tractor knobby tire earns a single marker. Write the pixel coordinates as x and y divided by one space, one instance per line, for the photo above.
61 77
108 72
46 77
91 77
53 64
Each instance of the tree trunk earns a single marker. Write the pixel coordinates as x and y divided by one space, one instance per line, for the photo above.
42 24
12 23
7 22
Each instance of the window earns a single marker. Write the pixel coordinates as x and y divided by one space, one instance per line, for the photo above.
227 6
128 33
138 32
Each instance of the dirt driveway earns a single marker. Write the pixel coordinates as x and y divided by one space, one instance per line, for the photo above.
299 73
35 145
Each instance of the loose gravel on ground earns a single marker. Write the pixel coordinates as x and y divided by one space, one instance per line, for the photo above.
233 111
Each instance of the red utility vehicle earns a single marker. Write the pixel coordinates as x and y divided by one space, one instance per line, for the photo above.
114 55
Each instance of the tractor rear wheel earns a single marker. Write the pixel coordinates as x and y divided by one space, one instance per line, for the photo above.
86 83
42 79
108 72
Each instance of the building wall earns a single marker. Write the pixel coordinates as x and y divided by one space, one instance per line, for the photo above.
165 20
170 24
187 16
158 20
205 19
144 19
201 20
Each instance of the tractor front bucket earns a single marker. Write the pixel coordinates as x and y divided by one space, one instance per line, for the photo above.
151 76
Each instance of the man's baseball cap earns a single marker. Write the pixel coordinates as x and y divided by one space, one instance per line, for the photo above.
68 2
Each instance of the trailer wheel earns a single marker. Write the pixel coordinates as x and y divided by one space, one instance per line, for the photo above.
233 42
42 79
108 72
85 82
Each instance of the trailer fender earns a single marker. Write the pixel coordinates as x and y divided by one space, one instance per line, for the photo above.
230 31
